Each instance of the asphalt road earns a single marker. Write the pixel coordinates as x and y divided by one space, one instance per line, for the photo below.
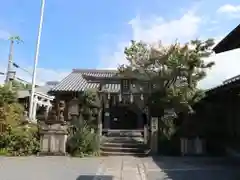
116 168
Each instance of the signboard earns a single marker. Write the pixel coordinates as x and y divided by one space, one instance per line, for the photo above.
154 123
106 114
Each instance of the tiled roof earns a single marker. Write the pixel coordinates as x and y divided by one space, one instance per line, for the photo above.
230 42
76 81
26 92
227 84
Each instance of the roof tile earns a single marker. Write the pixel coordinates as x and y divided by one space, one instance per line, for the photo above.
76 82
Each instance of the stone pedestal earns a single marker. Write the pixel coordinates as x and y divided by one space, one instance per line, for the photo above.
53 139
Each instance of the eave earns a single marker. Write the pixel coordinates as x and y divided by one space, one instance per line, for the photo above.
230 42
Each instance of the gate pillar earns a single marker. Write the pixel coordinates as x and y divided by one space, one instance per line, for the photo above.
154 135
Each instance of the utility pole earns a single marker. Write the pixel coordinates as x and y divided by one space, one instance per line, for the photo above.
36 61
8 80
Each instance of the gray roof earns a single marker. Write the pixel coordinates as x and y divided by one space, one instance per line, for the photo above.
230 42
27 92
76 81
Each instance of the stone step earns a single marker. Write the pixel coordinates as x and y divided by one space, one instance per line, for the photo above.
117 143
124 145
124 133
124 140
123 149
106 153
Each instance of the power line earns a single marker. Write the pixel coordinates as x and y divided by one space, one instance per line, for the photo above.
18 78
25 70
19 67
22 80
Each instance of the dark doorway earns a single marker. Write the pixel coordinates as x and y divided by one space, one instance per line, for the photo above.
122 117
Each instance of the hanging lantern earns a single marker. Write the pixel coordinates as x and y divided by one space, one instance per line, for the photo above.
109 96
74 106
141 97
120 97
131 98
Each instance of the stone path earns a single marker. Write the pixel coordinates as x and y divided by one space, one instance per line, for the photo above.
122 168
115 168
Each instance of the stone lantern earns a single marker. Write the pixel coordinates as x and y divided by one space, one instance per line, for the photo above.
53 132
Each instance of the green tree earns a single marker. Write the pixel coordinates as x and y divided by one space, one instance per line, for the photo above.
15 139
173 72
90 105
17 85
6 96
82 139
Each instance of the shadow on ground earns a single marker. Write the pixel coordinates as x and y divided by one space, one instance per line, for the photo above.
93 177
194 168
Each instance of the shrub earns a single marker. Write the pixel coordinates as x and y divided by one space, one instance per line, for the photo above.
20 141
15 138
83 142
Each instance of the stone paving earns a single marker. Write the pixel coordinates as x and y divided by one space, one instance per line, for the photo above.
115 168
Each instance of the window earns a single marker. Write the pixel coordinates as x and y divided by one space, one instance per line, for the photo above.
125 84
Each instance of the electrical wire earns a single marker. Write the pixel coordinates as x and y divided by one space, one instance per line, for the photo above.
25 70
18 78
19 67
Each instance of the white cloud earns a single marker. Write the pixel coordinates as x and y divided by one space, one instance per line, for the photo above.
228 8
166 31
184 28
232 10
43 74
152 30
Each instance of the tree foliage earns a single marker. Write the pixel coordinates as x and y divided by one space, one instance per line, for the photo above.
90 105
173 72
17 85
83 138
15 138
16 39
6 96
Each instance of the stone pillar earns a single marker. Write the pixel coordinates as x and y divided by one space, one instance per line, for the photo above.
198 146
145 134
106 116
154 135
184 146
100 122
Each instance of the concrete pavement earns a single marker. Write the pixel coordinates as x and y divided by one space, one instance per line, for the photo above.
115 168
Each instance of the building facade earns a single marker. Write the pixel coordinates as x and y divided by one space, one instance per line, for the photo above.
123 98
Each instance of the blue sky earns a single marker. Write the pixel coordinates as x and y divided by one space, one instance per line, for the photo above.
92 34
